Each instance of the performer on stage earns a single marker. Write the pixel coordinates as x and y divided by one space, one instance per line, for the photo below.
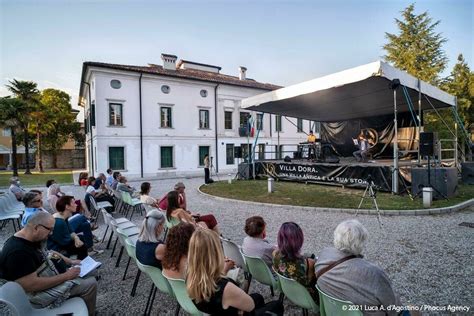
361 141
312 141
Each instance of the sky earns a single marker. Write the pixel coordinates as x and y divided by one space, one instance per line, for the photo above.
280 42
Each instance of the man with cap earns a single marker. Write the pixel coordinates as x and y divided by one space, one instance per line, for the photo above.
180 187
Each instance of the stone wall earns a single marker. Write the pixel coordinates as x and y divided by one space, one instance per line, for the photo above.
66 159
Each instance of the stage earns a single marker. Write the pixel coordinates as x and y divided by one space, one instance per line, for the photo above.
347 172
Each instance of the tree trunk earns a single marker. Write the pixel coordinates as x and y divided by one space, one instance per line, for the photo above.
55 160
39 154
14 162
27 151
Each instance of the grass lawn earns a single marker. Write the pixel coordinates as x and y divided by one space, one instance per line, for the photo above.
37 179
291 193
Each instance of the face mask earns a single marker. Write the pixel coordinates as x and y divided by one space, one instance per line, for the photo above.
18 183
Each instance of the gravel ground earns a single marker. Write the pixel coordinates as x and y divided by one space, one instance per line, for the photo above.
428 258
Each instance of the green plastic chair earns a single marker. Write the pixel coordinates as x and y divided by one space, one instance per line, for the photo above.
130 246
261 272
131 203
159 282
298 294
332 306
171 223
181 294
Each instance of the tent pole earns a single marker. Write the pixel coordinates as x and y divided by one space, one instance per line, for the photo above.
455 134
419 119
395 145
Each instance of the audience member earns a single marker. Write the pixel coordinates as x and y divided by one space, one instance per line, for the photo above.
16 189
343 273
110 178
123 185
53 194
178 187
175 212
99 195
288 260
145 197
100 182
149 238
33 202
83 179
22 257
116 176
175 254
206 284
255 243
63 239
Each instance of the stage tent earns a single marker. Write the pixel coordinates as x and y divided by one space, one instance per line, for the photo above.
350 94
360 92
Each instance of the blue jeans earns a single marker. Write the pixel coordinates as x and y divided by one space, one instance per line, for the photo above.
80 224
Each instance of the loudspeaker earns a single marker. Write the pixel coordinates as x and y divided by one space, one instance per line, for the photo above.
445 180
237 152
427 142
287 159
467 172
297 155
245 171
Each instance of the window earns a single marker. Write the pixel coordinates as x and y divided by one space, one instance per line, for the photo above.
116 84
279 151
166 154
204 119
261 151
259 122
245 152
203 150
115 114
229 154
299 125
116 158
244 119
7 132
228 119
165 117
278 123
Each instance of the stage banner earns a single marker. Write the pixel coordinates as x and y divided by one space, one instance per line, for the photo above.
347 175
380 132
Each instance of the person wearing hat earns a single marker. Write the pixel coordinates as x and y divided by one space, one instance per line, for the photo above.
180 187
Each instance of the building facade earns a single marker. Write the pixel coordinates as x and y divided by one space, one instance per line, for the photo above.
160 120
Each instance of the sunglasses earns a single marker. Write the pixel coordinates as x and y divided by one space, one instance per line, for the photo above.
46 227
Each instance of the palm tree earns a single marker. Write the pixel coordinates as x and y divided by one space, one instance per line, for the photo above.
9 110
26 91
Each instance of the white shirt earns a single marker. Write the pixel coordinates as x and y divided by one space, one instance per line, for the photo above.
90 189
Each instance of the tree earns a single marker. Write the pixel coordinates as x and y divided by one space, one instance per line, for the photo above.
28 92
9 111
61 124
417 49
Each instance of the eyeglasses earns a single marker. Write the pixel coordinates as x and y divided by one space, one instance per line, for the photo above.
35 201
46 227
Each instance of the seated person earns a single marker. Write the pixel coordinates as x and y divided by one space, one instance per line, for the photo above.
123 185
33 203
100 195
53 194
288 260
206 284
178 187
175 254
149 238
63 238
110 178
145 197
255 243
83 179
99 181
361 154
22 258
356 279
16 189
181 215
116 175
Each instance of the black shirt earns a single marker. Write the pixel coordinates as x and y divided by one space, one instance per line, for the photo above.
19 257
145 252
214 305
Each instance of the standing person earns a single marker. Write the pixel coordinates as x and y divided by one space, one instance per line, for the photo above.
16 189
207 173
311 139
110 178
22 257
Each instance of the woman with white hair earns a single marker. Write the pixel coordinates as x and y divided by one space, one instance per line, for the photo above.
149 242
343 273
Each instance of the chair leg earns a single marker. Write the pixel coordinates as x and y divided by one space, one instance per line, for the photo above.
119 257
135 283
248 277
110 238
149 298
178 308
105 234
152 300
126 268
113 249
271 291
281 298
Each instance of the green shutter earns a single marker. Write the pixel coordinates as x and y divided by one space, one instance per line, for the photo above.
166 157
203 150
116 158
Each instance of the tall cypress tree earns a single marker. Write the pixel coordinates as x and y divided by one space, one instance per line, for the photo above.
417 48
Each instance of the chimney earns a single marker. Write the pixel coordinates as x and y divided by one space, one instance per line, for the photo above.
242 71
169 61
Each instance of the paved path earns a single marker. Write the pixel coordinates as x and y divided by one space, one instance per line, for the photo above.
428 258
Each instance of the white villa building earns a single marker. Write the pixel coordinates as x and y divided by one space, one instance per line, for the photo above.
160 120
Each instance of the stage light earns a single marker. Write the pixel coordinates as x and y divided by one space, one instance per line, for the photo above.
394 84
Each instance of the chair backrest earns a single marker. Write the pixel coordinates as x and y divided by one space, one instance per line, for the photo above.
181 294
13 295
91 203
260 271
131 248
157 277
126 197
105 216
232 251
297 293
122 236
332 306
171 223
